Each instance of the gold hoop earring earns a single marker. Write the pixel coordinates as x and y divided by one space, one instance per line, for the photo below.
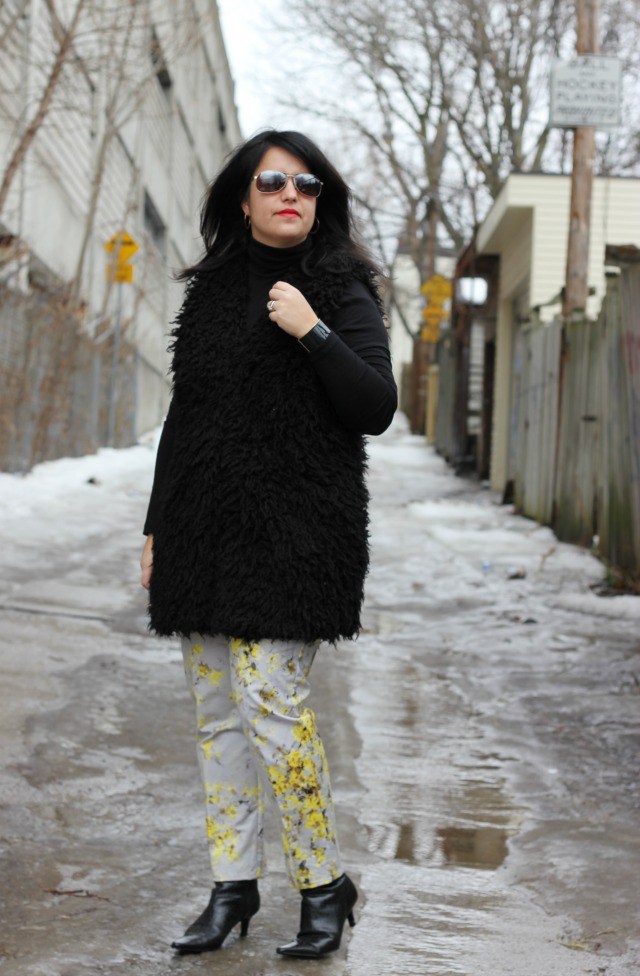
316 226
247 221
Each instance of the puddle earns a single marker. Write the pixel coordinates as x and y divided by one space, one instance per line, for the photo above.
469 847
482 820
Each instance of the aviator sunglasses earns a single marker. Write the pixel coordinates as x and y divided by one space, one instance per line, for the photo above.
272 180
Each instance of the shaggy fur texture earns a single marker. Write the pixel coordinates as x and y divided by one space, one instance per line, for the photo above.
264 528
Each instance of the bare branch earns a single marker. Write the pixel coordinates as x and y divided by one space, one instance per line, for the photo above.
30 131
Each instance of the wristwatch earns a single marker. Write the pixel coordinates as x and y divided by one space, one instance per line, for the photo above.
316 337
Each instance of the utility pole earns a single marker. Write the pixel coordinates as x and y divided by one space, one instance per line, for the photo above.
115 361
120 248
584 147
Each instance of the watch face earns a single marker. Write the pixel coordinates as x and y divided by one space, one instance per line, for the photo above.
315 337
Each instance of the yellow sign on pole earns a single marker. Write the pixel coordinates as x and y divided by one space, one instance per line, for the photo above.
123 244
437 290
119 272
430 333
433 314
121 247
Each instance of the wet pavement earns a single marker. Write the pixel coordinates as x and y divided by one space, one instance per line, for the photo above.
483 736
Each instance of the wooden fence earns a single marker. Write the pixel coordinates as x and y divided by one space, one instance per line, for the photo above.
445 434
537 412
55 383
578 460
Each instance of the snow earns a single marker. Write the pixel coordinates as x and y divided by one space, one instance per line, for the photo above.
72 497
622 607
474 700
476 541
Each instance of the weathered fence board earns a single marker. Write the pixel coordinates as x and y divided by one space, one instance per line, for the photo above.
579 470
538 422
578 465
445 427
619 521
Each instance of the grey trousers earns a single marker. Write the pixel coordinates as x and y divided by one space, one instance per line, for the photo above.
254 734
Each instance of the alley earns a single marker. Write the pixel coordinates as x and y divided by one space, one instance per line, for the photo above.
482 733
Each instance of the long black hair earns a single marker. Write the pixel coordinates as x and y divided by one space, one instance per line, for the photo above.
222 221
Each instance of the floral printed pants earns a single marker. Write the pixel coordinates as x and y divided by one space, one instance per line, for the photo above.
250 716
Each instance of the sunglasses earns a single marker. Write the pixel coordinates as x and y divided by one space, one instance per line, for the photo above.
272 180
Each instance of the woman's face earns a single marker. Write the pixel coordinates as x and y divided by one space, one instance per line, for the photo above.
283 218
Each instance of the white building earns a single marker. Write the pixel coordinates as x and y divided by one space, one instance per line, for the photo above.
527 228
140 117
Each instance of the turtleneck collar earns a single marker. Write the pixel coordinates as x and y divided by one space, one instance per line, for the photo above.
270 261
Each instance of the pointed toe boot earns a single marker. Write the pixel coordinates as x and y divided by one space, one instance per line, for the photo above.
232 903
323 914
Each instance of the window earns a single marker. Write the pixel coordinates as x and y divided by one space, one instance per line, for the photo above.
154 226
159 63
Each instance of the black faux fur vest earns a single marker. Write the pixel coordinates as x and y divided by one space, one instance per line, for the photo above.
264 525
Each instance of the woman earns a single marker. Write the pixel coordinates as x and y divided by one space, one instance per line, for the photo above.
257 526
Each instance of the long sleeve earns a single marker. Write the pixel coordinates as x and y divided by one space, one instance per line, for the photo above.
163 461
354 365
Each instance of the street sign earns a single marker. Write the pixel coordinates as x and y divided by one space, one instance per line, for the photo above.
430 333
433 314
121 247
586 92
119 272
437 289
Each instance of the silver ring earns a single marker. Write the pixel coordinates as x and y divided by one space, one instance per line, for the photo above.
271 305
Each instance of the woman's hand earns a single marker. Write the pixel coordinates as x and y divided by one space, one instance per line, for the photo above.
292 312
146 562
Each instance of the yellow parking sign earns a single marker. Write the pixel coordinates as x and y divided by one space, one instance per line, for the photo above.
121 247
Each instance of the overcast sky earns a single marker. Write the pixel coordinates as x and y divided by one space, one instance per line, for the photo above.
250 53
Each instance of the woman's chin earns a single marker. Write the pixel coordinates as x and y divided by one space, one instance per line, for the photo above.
286 236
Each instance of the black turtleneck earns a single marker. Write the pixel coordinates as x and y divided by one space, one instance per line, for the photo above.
353 363
268 265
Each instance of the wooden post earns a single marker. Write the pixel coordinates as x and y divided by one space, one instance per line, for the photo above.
577 281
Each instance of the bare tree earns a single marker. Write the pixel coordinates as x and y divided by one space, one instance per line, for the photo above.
99 73
117 52
499 99
66 37
392 60
447 98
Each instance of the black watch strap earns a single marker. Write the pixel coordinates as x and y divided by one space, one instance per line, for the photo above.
316 337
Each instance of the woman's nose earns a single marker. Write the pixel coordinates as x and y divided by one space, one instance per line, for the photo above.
289 189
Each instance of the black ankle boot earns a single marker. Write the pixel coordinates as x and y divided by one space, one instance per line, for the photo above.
231 902
324 912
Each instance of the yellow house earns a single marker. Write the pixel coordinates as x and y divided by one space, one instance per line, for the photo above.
527 228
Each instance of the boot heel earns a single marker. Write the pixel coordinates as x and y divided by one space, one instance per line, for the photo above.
324 911
231 902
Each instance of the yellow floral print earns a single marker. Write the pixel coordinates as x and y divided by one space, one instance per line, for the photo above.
249 698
